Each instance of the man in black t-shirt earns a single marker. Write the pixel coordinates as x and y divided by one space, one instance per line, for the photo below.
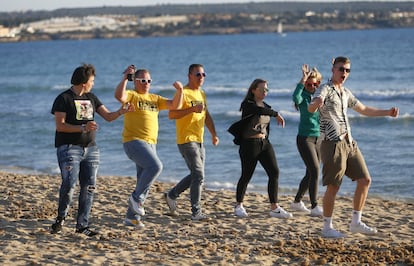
77 152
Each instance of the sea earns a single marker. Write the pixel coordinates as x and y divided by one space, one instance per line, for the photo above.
32 74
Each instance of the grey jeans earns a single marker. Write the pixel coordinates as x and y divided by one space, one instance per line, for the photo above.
194 156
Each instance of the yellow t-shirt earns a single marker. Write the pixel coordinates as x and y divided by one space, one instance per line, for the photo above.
191 127
142 124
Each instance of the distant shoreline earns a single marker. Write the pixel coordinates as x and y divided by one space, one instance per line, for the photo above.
129 35
201 19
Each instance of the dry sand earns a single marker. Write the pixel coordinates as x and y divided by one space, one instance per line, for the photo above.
28 207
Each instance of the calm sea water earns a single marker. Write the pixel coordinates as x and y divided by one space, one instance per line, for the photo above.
34 73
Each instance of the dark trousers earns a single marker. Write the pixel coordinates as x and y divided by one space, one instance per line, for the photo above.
252 151
308 148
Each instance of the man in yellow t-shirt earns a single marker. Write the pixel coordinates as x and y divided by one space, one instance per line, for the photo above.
190 121
140 134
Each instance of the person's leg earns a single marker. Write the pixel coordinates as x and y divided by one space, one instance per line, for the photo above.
312 165
248 152
87 182
328 207
303 149
361 193
357 170
334 157
267 159
148 165
194 156
69 157
329 200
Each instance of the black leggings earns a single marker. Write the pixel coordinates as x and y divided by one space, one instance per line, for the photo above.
252 151
309 151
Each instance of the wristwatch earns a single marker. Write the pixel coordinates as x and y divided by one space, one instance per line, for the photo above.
83 126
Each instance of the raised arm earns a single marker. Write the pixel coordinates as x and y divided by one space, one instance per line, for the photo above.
297 94
120 91
177 101
372 111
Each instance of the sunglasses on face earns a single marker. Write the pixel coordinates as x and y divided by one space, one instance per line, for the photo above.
264 89
143 81
312 84
199 74
343 69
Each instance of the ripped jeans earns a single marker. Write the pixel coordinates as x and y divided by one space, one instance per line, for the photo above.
76 162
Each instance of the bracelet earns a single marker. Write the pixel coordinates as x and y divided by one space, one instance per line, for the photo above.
83 128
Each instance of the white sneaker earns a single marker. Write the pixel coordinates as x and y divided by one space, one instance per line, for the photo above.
332 233
136 207
362 229
136 222
299 206
316 212
199 217
280 213
172 204
240 211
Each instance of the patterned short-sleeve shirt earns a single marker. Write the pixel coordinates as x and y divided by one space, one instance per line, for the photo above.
333 116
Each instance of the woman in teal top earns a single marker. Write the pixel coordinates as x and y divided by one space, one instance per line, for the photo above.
307 140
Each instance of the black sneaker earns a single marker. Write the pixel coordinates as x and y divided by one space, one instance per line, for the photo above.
57 226
86 231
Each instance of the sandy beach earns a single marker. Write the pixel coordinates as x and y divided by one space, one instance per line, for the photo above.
28 207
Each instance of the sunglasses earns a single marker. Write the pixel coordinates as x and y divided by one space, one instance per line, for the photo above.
342 69
143 81
264 89
199 74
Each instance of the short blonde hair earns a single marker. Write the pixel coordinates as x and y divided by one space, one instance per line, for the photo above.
315 74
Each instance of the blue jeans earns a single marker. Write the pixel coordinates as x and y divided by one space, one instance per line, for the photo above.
148 166
75 163
194 156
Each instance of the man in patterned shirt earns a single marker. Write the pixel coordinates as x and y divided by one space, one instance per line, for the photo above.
340 154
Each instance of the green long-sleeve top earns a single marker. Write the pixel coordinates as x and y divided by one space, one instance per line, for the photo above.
309 122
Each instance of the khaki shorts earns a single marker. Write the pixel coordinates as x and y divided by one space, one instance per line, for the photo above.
339 159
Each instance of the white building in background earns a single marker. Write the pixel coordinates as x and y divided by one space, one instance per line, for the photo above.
69 24
8 32
90 23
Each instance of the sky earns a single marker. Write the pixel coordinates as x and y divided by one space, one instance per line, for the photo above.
24 5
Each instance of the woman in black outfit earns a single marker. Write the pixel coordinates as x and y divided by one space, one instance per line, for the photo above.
255 147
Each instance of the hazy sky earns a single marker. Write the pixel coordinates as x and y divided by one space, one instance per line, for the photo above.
23 5
20 5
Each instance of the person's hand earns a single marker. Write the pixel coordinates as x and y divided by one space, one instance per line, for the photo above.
178 85
91 126
198 108
215 140
126 108
394 112
318 101
305 73
280 120
130 70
